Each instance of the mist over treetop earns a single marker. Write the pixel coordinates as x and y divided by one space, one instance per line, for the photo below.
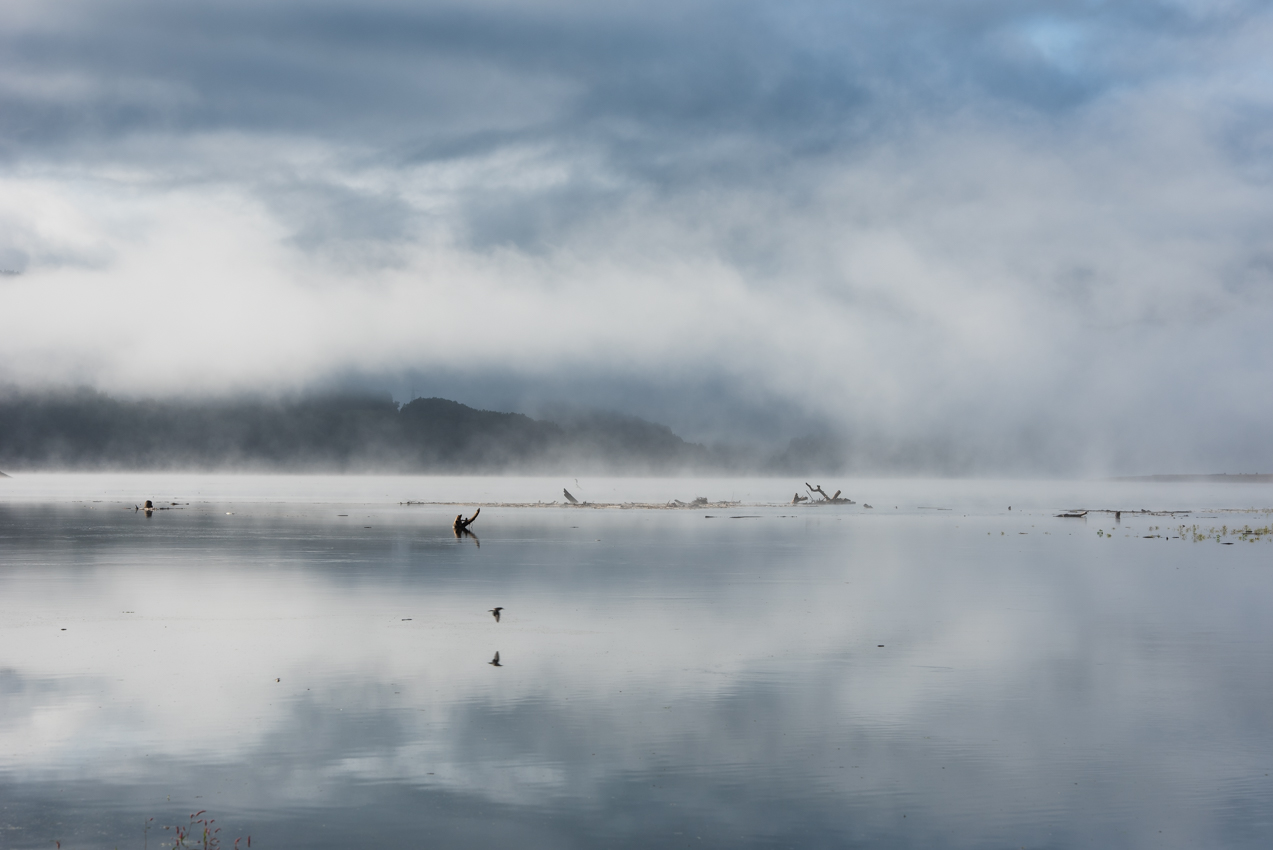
345 433
1038 226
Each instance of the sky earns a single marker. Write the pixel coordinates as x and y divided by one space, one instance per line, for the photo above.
1032 235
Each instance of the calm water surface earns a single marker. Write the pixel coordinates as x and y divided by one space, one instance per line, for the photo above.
309 660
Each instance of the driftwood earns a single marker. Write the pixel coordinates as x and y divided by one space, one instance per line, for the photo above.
462 524
1118 512
826 500
797 499
569 498
647 506
700 502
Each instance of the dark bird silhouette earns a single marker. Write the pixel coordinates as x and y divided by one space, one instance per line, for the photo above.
494 662
496 611
569 498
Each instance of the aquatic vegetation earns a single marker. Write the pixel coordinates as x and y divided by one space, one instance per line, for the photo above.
200 833
1246 533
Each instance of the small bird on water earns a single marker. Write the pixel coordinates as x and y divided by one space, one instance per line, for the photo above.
496 611
494 662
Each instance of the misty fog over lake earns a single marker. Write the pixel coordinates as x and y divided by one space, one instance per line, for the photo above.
310 660
674 423
967 238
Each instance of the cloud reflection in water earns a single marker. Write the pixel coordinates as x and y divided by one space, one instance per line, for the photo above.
662 679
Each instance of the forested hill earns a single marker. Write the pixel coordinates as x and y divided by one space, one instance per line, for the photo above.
88 430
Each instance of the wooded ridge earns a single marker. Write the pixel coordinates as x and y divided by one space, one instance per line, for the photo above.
90 430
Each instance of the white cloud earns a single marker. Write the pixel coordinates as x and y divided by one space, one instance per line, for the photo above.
954 262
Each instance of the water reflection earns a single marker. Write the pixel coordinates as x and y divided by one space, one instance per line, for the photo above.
678 682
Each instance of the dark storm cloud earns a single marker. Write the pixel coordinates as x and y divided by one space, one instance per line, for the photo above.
646 79
663 97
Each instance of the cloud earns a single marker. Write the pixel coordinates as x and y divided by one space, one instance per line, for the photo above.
1035 231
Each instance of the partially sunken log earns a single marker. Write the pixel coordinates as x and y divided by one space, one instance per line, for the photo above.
797 499
825 500
462 524
569 498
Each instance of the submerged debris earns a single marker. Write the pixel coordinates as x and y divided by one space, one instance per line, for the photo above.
700 502
825 500
673 505
461 523
461 529
1118 513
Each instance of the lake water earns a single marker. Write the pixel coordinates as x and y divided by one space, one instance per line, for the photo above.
310 661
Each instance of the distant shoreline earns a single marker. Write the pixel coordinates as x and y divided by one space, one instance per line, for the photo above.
1219 478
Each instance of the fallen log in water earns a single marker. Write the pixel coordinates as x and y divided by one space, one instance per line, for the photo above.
825 500
462 524
1118 512
646 506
